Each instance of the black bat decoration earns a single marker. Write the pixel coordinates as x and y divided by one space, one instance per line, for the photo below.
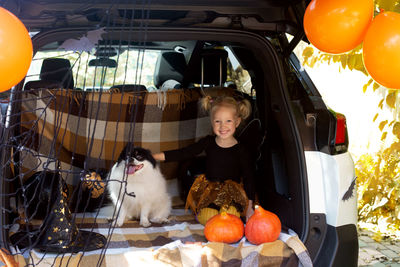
350 192
84 43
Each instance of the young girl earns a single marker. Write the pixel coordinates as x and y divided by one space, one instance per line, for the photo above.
228 163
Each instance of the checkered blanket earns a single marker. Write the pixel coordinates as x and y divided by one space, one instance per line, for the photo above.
178 243
87 130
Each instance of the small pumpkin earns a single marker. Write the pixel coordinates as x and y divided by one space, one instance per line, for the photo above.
262 227
224 227
231 210
7 258
205 214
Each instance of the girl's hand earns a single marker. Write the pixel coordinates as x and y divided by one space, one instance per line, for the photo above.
159 156
249 210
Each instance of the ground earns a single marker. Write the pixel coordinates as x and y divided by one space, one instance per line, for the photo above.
373 253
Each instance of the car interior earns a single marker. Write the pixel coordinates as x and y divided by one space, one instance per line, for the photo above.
195 66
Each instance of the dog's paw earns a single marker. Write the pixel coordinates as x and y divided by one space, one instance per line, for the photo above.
120 222
159 220
145 223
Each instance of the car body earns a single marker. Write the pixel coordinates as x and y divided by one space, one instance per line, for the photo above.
305 173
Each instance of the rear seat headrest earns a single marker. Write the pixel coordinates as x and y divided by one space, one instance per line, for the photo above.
169 66
57 69
214 67
42 84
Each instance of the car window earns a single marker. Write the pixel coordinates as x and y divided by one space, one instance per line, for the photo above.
121 65
237 76
133 66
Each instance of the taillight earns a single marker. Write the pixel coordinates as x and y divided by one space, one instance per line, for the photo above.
341 129
340 140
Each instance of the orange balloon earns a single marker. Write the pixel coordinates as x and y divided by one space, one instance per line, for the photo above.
15 50
337 26
381 49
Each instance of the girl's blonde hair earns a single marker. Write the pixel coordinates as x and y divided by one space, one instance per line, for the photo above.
242 106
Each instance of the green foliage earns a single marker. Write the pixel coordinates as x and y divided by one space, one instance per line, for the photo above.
239 77
352 60
396 129
378 180
378 177
388 5
382 124
391 99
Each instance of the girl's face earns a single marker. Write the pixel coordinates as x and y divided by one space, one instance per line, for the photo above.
224 121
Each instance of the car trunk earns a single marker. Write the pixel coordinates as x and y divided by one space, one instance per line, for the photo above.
281 175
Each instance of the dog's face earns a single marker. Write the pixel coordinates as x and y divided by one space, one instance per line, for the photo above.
135 159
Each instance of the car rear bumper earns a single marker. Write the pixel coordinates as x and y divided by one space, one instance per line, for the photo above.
340 247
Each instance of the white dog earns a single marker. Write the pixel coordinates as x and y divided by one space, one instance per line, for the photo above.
137 188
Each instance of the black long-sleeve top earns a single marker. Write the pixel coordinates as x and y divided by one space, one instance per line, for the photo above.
221 163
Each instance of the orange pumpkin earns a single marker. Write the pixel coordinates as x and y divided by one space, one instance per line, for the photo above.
224 227
263 226
7 258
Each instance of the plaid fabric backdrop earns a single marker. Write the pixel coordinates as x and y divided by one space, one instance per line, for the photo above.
88 130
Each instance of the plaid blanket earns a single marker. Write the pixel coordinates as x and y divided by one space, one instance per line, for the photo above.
87 130
181 242
178 243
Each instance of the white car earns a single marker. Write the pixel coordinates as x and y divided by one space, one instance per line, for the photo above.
304 172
